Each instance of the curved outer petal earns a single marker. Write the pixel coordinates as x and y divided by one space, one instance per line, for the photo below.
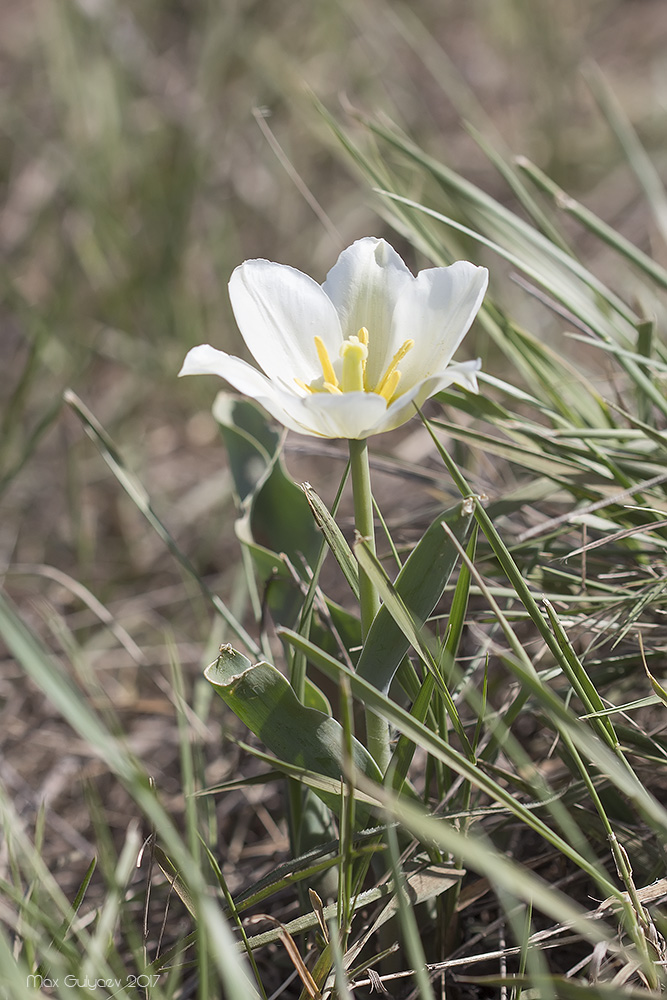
280 311
365 285
353 414
206 360
436 310
404 407
360 414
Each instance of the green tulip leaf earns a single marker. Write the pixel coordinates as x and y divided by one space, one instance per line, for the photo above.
251 443
263 700
420 585
275 518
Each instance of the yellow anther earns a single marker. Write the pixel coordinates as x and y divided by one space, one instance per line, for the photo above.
393 364
354 353
389 386
325 361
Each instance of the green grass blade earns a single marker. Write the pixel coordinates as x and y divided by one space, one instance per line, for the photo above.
431 742
606 233
637 157
412 630
417 590
140 497
335 539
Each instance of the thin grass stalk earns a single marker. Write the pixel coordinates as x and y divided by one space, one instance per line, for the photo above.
191 808
140 498
408 923
481 856
606 233
68 701
297 671
457 761
347 822
624 776
236 917
636 919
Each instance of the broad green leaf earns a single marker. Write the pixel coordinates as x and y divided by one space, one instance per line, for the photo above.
275 516
263 700
314 698
413 632
420 585
250 442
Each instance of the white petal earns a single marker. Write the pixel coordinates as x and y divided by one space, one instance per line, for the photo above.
350 415
365 284
402 409
280 311
205 360
436 310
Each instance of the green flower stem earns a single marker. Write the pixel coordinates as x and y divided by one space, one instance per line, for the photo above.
377 729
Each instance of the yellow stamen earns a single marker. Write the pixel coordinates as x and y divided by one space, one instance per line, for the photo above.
389 386
395 361
354 354
325 361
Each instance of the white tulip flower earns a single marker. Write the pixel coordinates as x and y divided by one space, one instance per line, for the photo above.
354 356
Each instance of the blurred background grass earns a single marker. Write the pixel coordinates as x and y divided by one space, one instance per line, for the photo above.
136 176
145 150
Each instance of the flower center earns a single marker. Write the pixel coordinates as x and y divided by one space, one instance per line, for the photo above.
351 376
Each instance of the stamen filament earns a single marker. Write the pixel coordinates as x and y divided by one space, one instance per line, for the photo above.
395 361
325 361
364 337
389 386
354 352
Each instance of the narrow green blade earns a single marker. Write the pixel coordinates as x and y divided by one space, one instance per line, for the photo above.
420 585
